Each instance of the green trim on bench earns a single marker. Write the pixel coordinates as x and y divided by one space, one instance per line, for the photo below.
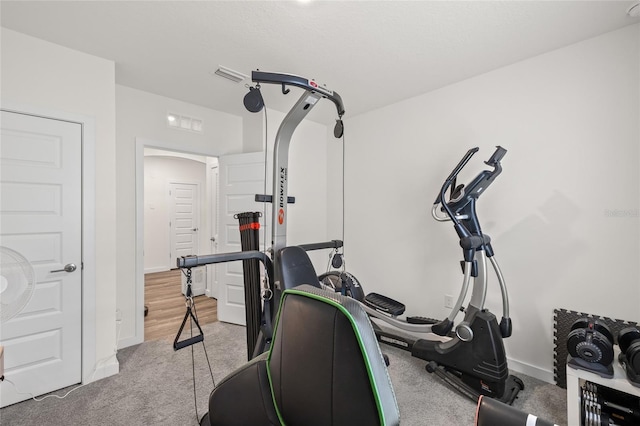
358 336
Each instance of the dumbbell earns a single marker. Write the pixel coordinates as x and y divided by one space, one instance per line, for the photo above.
629 342
591 341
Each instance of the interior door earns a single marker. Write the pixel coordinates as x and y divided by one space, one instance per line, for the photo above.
184 221
184 227
40 218
241 178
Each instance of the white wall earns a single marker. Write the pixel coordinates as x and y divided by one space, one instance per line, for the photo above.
159 171
143 115
570 122
42 75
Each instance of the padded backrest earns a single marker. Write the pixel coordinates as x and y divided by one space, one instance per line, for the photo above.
325 365
296 268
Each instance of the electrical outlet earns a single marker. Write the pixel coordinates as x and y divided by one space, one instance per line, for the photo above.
448 301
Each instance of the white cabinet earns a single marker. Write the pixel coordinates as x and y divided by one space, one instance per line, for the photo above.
576 378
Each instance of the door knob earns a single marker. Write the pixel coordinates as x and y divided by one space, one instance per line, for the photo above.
69 267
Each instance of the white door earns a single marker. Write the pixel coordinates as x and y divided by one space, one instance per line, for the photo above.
184 220
241 178
40 217
184 226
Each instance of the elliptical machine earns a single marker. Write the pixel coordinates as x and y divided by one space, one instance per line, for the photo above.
470 357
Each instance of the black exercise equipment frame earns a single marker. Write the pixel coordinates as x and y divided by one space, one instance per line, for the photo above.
471 358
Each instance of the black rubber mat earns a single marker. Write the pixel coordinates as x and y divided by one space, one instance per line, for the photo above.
562 321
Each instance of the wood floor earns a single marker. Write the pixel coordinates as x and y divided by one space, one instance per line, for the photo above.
163 296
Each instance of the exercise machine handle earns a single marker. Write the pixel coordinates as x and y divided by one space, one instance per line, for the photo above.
187 342
457 169
193 260
452 176
297 81
460 229
333 244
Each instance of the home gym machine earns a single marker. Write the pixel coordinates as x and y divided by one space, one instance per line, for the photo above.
271 292
471 356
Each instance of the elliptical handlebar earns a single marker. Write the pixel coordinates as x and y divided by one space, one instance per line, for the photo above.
472 190
460 229
297 81
460 209
457 169
440 199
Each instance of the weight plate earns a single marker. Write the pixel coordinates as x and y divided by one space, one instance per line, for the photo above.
626 337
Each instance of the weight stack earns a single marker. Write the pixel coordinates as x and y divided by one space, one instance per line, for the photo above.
250 240
600 405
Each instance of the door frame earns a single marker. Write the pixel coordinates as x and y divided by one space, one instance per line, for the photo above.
141 144
213 180
88 229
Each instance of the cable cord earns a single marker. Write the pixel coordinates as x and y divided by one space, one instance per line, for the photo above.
93 374
343 185
193 360
206 355
266 151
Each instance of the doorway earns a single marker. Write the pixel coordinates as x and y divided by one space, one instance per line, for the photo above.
176 212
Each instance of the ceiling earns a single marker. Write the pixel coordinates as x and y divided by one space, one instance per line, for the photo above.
373 53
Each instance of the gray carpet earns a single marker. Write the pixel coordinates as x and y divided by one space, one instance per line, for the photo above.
154 387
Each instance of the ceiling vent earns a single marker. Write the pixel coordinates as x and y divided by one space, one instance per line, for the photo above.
230 74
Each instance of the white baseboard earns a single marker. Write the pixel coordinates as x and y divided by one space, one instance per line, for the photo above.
531 370
107 368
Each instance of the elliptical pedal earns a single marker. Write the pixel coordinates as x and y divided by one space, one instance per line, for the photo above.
384 304
421 320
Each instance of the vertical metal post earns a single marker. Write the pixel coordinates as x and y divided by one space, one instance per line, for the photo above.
281 170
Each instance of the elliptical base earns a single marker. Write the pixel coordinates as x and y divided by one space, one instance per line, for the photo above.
512 386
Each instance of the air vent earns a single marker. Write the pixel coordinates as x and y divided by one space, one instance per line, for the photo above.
184 122
230 74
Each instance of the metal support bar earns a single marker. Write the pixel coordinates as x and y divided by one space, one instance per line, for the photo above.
261 198
301 82
333 244
279 218
207 259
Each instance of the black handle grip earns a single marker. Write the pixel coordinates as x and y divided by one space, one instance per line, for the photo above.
188 342
463 163
454 174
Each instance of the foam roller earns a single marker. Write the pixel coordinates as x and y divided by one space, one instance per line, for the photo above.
491 412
